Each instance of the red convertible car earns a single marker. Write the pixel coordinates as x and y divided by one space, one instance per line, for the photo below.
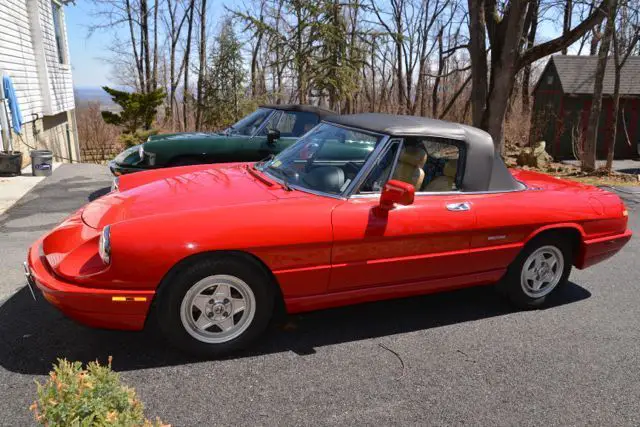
362 208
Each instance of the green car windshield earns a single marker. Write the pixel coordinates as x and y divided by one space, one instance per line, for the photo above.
248 125
325 160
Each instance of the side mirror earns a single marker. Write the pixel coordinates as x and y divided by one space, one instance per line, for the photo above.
272 136
396 192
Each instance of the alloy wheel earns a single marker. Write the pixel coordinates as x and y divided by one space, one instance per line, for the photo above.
218 309
542 271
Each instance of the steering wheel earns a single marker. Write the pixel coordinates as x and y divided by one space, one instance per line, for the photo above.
309 152
291 175
351 167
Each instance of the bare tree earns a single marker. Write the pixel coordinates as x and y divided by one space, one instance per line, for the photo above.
202 60
531 22
186 95
500 25
177 14
589 157
134 15
566 22
626 34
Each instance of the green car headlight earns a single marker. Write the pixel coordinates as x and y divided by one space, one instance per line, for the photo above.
151 158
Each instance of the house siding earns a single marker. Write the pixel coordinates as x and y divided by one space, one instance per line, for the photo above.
28 53
18 59
44 87
59 79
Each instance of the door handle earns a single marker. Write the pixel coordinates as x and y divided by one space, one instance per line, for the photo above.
458 207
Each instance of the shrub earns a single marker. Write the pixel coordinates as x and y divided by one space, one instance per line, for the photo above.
98 139
138 137
74 396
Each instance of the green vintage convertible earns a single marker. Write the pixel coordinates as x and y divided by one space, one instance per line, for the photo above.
268 130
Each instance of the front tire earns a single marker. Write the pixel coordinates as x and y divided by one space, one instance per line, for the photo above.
543 266
215 306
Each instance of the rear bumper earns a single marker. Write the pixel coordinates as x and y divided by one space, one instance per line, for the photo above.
597 250
98 308
118 169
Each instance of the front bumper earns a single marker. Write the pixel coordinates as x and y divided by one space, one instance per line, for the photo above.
98 308
597 250
120 169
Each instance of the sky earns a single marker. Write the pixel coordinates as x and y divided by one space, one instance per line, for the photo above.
88 53
85 52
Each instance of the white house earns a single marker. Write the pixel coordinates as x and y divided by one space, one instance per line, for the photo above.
34 52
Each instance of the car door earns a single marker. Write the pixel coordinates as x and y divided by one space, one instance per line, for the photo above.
419 243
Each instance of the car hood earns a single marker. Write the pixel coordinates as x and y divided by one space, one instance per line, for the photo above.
183 136
187 189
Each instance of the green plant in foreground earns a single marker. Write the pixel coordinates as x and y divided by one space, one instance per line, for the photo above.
74 396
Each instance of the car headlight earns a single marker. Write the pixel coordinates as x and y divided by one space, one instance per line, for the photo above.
115 185
141 152
151 158
104 245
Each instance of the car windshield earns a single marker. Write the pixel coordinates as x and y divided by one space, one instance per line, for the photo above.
250 124
326 160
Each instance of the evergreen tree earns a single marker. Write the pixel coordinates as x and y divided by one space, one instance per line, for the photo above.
224 85
339 57
138 113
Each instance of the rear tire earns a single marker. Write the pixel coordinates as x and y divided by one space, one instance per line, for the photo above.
215 306
542 267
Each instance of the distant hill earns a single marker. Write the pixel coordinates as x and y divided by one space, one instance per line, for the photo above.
86 94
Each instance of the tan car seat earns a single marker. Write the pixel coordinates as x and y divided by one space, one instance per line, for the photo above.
412 160
446 181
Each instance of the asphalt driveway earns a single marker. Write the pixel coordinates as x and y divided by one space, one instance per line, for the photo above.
455 358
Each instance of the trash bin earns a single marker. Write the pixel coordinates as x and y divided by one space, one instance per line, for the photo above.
10 163
41 162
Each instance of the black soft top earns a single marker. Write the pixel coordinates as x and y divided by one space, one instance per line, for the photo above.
322 112
484 170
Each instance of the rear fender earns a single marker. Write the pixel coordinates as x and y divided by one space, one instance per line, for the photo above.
556 227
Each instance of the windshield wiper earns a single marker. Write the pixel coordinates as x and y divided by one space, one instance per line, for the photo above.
284 176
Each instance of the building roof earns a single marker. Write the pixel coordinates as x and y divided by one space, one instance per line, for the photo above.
322 112
577 74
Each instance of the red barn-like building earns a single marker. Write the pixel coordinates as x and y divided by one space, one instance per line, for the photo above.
562 102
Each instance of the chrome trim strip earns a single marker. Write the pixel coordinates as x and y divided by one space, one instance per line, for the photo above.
392 141
30 279
367 167
446 193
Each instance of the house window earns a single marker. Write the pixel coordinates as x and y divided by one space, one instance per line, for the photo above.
57 26
549 80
